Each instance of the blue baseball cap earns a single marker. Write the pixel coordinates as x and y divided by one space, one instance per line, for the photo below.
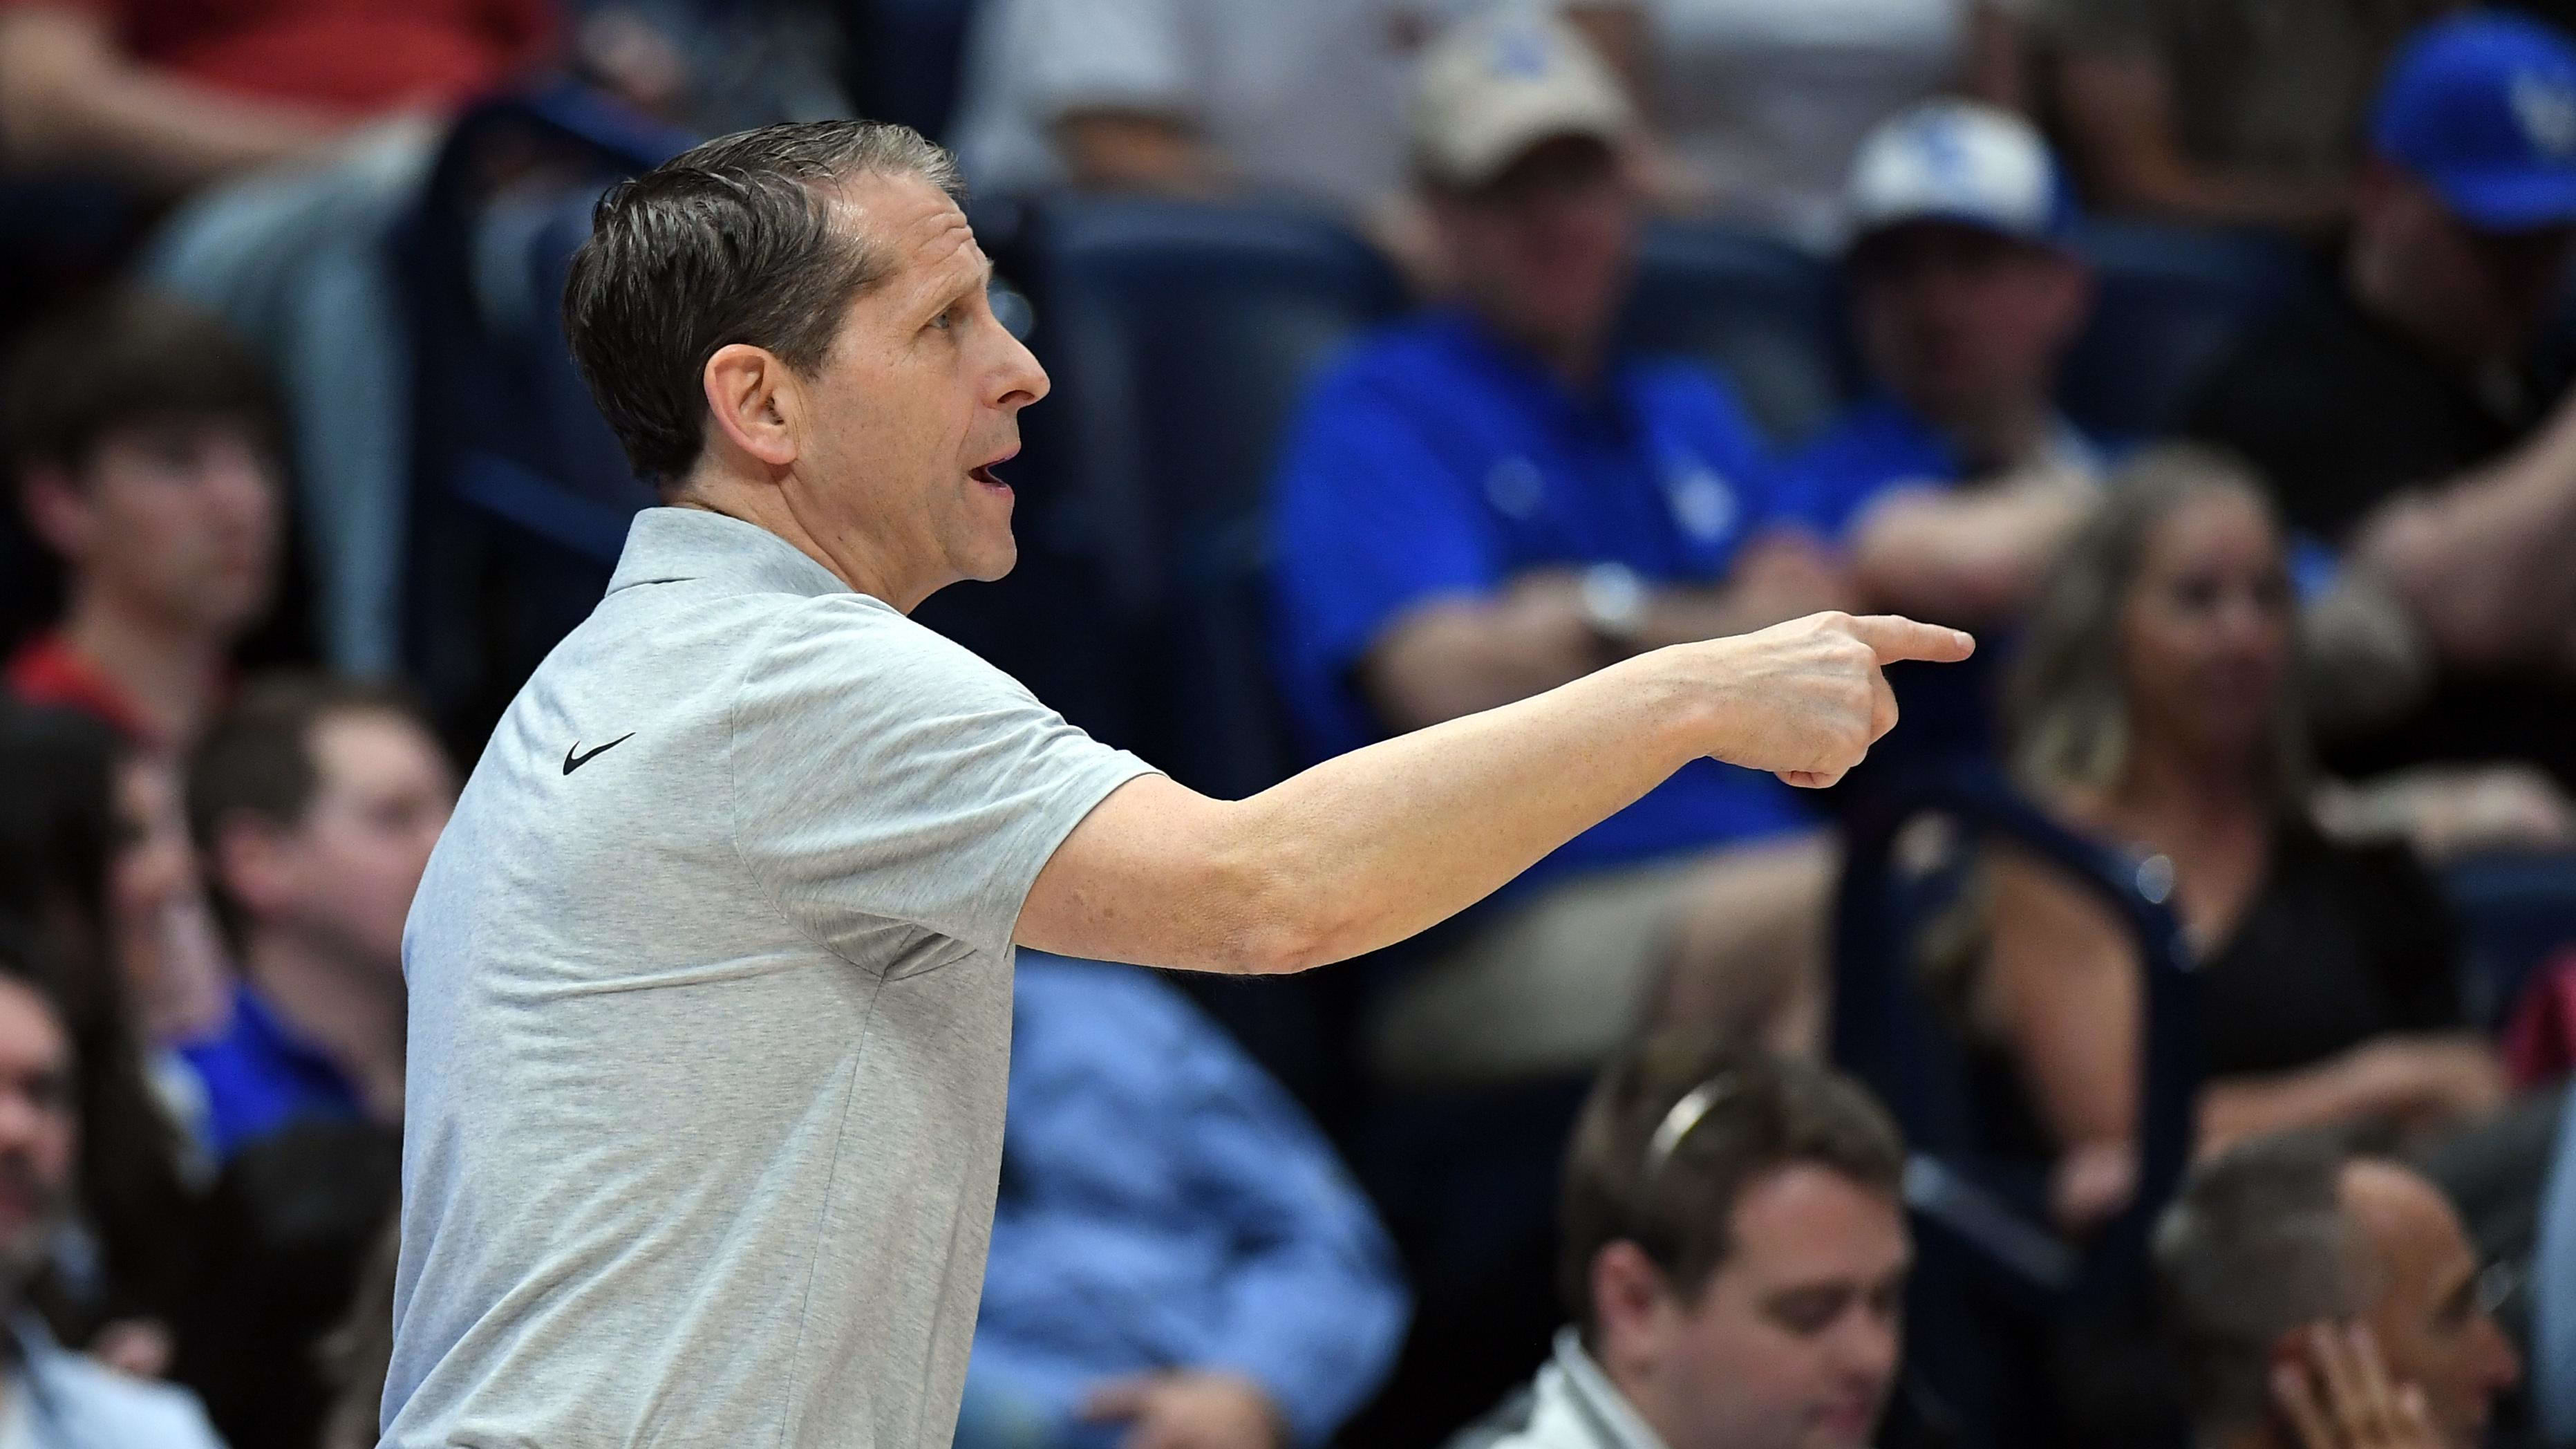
1960 162
2482 107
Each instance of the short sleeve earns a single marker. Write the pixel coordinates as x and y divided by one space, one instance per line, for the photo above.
1370 520
1131 54
882 774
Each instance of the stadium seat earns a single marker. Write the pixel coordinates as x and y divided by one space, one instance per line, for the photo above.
1180 337
1765 314
2170 300
520 494
1997 1289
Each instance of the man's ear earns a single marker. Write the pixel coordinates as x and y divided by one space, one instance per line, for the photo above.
1629 1298
58 510
755 403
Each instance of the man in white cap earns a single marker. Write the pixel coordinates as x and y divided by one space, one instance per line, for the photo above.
1488 501
1951 487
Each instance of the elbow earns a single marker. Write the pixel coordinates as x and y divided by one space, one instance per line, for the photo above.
1283 920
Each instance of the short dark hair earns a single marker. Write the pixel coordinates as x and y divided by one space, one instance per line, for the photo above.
2257 1244
257 760
1629 1177
732 241
123 358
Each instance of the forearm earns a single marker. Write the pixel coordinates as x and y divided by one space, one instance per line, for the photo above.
2482 563
1957 558
66 99
1372 847
2233 1109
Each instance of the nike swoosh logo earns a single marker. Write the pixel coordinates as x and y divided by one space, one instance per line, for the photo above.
573 761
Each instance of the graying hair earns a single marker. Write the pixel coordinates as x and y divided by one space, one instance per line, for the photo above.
2068 706
2257 1244
733 241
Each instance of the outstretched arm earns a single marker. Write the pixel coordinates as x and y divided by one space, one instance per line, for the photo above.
1367 849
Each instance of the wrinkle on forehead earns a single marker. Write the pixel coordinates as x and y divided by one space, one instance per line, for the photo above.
920 230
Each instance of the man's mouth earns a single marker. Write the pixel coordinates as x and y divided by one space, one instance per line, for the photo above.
983 472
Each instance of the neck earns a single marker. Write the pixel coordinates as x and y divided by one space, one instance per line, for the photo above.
2380 291
1999 437
858 561
353 1011
169 671
2166 781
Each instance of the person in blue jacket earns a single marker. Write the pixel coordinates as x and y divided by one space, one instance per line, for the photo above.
1178 1258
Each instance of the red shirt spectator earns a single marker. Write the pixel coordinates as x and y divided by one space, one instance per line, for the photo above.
353 55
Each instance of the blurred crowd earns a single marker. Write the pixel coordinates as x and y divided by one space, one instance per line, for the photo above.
2160 1041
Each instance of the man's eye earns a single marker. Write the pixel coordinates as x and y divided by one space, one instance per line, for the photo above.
1810 1313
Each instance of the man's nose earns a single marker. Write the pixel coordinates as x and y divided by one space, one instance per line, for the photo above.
1022 380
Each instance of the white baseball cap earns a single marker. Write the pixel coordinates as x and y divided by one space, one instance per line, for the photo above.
1958 161
1492 88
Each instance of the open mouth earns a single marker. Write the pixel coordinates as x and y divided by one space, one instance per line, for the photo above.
984 475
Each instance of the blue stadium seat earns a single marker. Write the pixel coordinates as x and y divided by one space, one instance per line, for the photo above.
2515 910
1996 1285
2170 302
1180 337
520 494
1762 312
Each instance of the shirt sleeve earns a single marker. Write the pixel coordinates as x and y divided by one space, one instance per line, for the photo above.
1109 54
882 773
1315 1307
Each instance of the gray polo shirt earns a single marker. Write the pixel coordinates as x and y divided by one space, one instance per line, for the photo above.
710 1018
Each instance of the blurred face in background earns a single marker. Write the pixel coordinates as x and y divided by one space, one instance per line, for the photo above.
1963 323
2476 296
1793 1342
344 875
2429 1320
2206 632
1544 252
176 521
164 939
37 1128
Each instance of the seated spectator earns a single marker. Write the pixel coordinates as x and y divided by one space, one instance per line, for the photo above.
2397 415
1759 107
1177 1257
2221 112
315 805
1734 1255
2279 1242
49 1395
168 96
1490 501
2154 706
1201 99
77 871
142 440
300 130
1953 487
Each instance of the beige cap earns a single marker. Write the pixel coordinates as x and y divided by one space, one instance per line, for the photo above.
1492 88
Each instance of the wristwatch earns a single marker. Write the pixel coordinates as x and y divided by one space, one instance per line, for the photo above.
1614 603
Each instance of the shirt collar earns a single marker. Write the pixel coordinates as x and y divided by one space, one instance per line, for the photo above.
665 545
259 1028
1571 1375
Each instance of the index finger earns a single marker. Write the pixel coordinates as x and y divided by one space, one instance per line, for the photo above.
1893 637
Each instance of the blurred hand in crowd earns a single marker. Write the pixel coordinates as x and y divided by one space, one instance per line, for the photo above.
2337 1394
1189 1410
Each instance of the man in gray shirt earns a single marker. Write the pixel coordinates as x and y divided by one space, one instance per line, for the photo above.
710 975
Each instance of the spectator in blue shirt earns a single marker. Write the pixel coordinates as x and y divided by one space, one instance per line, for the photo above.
1491 500
1951 488
316 805
1178 1261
